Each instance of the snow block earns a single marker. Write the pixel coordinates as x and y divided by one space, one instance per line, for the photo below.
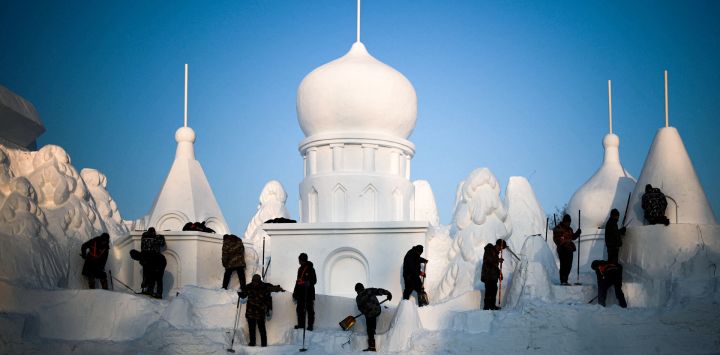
440 316
406 323
476 322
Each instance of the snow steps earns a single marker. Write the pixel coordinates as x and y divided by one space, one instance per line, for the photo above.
574 294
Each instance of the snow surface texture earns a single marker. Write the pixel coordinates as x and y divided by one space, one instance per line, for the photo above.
425 206
47 210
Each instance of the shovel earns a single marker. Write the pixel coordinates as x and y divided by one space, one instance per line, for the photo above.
350 321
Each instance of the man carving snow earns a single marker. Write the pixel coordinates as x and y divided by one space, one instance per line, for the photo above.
368 304
491 272
563 237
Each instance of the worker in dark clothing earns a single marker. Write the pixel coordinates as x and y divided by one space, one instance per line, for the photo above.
654 204
609 274
613 236
368 304
256 292
95 252
412 273
304 292
563 237
491 272
153 265
233 259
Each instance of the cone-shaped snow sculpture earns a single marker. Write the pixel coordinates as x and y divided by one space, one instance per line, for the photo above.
668 166
524 210
186 195
608 188
406 323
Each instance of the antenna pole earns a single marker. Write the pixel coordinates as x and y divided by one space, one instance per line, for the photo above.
666 110
610 104
358 22
186 84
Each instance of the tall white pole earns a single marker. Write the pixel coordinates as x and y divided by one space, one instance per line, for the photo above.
358 22
186 82
610 104
666 100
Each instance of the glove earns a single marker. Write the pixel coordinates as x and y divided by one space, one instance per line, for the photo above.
501 260
501 277
422 274
389 297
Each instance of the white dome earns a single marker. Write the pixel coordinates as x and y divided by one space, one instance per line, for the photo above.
356 93
608 188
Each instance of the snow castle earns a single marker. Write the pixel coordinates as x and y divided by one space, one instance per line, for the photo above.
357 203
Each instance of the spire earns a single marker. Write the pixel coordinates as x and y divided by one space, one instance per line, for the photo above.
610 104
666 99
185 136
357 39
186 99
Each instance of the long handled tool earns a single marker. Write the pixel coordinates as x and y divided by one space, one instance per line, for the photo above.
422 295
126 286
237 318
350 321
627 205
578 251
305 319
112 286
263 260
547 221
501 280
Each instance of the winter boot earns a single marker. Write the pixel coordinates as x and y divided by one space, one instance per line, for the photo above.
371 345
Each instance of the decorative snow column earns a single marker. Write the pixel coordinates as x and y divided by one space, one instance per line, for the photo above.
357 203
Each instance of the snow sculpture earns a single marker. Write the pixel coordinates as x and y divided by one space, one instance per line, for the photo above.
480 218
668 166
46 212
425 207
96 183
186 195
19 119
524 212
356 113
608 188
535 274
272 205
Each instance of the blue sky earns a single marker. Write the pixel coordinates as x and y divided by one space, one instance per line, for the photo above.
519 87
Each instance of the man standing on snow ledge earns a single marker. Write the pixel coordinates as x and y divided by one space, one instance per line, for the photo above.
304 292
368 304
412 273
563 237
233 259
95 252
613 236
491 272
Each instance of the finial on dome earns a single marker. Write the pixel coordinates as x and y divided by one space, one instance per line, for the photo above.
610 104
357 39
186 100
666 99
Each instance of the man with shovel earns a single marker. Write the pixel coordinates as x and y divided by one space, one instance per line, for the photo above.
368 304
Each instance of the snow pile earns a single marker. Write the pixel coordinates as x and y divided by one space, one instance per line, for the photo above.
46 213
80 314
480 218
200 308
440 316
406 323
